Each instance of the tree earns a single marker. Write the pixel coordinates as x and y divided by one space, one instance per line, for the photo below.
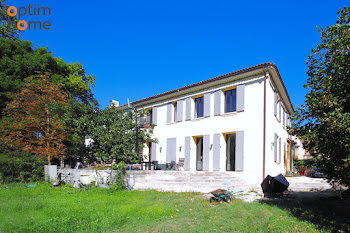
34 119
114 135
18 60
8 24
323 122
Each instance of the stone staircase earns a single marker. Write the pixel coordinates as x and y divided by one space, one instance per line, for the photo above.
204 182
186 181
307 184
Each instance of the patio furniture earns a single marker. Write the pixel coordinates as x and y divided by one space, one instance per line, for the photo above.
147 166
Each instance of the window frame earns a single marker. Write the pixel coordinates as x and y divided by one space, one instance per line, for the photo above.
277 149
284 115
195 106
234 100
175 111
279 106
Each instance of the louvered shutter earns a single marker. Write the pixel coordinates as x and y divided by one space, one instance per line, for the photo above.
216 152
240 97
275 148
239 151
154 115
207 105
279 150
179 113
187 165
154 151
188 108
169 110
275 102
171 150
206 149
217 102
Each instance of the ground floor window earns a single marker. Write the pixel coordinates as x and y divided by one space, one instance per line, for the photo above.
230 152
150 151
199 153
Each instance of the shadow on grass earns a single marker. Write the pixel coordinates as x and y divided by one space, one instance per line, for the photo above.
324 209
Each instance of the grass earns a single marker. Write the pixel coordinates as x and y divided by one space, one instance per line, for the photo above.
65 209
324 209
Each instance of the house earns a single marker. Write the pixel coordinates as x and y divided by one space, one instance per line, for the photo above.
235 122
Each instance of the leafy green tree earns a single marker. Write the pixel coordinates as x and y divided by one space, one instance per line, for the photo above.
323 122
19 60
114 135
8 24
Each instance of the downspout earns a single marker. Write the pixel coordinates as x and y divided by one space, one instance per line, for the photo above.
264 127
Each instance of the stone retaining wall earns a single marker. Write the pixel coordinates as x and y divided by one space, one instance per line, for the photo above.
70 176
186 181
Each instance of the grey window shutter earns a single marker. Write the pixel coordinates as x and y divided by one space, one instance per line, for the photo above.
188 108
206 148
179 113
206 104
216 152
279 110
169 109
240 97
284 117
154 151
279 150
275 148
154 115
275 103
187 165
239 150
171 150
217 102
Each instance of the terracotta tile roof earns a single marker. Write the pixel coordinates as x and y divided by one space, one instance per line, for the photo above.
238 72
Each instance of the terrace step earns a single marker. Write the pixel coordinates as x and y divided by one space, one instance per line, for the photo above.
307 184
186 181
201 181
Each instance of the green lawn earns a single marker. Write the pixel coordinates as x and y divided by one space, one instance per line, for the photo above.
65 209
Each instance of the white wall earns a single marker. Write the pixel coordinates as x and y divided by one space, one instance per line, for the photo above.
250 121
274 125
300 152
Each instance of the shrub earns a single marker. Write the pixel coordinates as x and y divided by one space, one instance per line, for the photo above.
119 176
21 167
308 163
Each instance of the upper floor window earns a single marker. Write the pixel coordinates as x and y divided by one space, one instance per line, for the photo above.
230 100
175 111
288 120
284 115
279 106
146 117
275 102
199 102
149 116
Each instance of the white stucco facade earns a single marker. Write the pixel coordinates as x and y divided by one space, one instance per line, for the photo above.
255 86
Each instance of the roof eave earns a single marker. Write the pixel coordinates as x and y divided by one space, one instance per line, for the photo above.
219 80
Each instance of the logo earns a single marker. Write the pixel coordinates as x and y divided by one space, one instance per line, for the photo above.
33 11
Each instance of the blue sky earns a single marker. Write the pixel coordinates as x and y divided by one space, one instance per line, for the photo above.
141 48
